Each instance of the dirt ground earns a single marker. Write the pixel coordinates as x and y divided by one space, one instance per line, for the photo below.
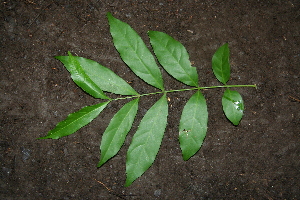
259 159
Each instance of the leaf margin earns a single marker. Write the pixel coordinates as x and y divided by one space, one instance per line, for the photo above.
187 74
53 134
81 78
89 68
160 109
155 79
220 64
193 125
233 106
130 116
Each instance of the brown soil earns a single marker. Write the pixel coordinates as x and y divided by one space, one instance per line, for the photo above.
259 159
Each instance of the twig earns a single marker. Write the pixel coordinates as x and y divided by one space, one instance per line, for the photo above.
110 190
293 98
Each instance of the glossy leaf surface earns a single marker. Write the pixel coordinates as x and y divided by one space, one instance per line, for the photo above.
114 135
134 52
80 77
174 58
220 64
75 121
233 106
86 71
146 141
193 125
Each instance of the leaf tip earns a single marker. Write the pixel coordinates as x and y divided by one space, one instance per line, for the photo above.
108 14
99 164
47 137
185 157
150 32
128 183
235 123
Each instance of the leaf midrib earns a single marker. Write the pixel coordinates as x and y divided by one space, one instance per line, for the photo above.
119 127
64 127
149 136
178 62
138 56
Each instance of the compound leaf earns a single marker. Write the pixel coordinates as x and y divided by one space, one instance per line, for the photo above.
75 121
233 106
134 52
114 135
193 125
220 64
174 58
88 72
146 141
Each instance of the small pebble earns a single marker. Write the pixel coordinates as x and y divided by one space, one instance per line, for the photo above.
157 192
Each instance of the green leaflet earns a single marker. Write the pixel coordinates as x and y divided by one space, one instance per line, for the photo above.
146 141
88 72
220 64
75 121
233 106
114 135
193 125
174 58
134 52
80 77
